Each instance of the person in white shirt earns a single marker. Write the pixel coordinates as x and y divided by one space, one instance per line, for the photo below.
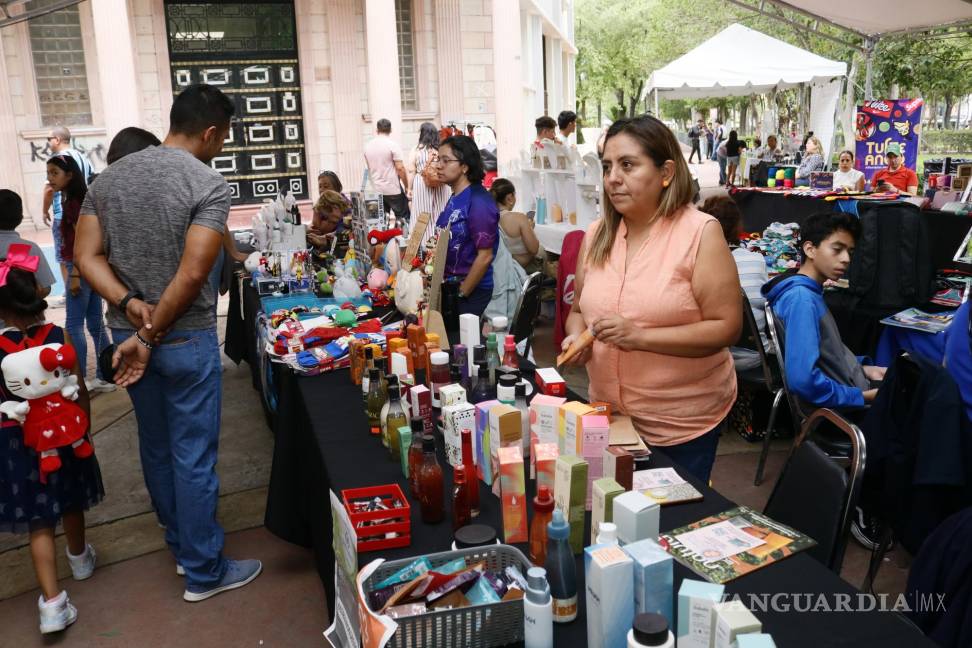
567 123
769 152
847 177
383 156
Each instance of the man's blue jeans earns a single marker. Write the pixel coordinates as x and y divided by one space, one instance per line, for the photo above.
177 403
85 308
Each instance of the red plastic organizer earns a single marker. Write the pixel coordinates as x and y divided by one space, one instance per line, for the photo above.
394 520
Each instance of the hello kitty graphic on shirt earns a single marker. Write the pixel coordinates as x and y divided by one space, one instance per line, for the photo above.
41 375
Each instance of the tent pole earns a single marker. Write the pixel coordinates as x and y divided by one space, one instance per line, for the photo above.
657 114
870 45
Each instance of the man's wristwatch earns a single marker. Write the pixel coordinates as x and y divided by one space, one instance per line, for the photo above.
132 294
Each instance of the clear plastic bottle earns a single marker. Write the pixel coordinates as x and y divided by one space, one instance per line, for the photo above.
483 390
392 418
492 357
561 569
511 359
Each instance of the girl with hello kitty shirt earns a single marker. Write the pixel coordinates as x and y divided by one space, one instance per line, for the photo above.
48 471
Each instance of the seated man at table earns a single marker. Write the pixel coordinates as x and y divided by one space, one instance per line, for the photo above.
896 177
770 152
820 369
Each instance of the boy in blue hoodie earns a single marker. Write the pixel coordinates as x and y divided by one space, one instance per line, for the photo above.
820 369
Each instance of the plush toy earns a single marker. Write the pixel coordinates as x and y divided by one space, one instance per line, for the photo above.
42 377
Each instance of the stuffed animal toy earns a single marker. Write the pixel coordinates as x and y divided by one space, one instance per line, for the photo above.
42 377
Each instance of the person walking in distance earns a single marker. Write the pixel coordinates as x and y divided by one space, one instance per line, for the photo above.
383 156
163 211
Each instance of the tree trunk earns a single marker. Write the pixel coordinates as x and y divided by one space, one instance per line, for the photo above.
583 110
619 93
634 99
949 103
600 114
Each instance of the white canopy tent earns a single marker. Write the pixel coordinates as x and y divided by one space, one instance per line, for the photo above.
741 61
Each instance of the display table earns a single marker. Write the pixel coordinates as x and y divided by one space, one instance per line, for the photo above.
321 444
551 235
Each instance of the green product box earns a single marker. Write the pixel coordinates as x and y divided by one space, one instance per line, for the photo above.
605 490
404 443
570 495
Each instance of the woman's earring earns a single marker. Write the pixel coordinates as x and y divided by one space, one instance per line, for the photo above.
665 183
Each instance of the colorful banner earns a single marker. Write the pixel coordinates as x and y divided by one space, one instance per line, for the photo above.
881 122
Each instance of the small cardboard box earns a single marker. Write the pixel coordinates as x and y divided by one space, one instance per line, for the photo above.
619 466
545 418
513 494
452 395
636 516
602 509
421 406
592 439
570 490
481 442
545 455
608 576
755 640
653 579
549 382
695 602
455 419
504 431
571 415
729 620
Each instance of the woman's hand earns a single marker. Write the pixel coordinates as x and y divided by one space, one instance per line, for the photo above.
619 331
74 285
317 240
581 358
874 374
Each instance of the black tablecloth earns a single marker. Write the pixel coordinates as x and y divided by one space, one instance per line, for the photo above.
331 447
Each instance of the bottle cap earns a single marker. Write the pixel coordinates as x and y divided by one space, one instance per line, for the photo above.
520 390
418 427
650 629
538 590
369 352
510 340
483 370
428 443
459 352
491 341
455 372
557 528
374 374
607 532
439 358
500 323
544 501
474 535
392 380
479 354
508 380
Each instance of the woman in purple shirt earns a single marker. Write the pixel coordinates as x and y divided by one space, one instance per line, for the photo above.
472 218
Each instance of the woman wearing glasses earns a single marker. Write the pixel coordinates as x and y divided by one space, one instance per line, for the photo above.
472 218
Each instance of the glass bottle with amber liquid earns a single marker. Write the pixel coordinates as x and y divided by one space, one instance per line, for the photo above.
392 418
415 456
430 483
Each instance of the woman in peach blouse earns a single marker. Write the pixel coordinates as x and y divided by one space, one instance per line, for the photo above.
658 289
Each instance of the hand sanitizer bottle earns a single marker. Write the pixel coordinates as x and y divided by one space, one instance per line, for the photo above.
537 610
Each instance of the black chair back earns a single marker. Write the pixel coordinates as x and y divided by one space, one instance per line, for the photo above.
751 339
778 336
815 494
527 311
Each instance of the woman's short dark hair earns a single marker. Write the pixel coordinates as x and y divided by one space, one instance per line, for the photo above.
501 190
19 295
727 212
11 210
336 181
428 135
130 140
77 188
467 153
850 153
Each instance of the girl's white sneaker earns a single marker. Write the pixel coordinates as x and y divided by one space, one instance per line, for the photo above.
84 565
56 614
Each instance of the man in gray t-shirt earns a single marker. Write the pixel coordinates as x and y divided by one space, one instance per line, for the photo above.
150 230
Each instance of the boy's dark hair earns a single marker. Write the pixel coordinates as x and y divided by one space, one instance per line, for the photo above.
11 210
501 190
198 107
565 118
544 123
19 295
727 212
383 126
821 225
467 153
129 140
78 188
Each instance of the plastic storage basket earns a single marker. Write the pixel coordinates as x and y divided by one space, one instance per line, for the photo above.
477 626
